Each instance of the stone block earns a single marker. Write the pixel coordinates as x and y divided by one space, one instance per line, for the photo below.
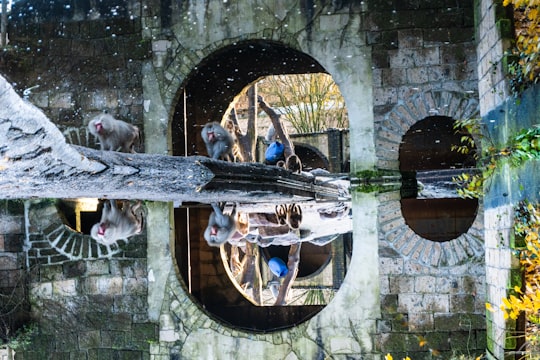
420 321
61 100
65 287
12 242
111 285
401 284
9 261
410 38
391 266
89 339
438 340
51 273
114 339
135 286
41 290
462 303
66 341
74 269
130 303
394 77
168 336
118 321
11 225
384 96
425 284
102 354
380 59
97 267
130 355
144 332
417 76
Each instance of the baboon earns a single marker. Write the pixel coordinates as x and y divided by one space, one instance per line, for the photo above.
221 228
116 223
293 163
113 134
219 142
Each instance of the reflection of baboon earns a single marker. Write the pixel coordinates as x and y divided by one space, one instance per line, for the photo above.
219 142
221 227
114 135
116 224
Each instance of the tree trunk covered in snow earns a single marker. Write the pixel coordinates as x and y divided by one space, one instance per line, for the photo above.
36 162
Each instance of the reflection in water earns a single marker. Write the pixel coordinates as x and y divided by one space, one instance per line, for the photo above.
224 253
251 228
119 220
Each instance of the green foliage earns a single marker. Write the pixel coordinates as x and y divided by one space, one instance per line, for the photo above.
368 181
311 102
23 338
522 147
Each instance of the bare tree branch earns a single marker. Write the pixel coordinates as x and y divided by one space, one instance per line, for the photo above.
292 266
280 130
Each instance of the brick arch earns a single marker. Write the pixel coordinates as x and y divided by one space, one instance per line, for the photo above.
395 233
394 124
62 243
186 60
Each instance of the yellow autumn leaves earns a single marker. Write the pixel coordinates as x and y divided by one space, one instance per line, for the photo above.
527 45
389 357
525 298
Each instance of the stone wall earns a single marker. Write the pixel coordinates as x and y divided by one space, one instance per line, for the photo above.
89 300
506 189
424 65
503 116
395 64
77 68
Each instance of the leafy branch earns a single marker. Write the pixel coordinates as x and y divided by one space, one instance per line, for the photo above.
520 148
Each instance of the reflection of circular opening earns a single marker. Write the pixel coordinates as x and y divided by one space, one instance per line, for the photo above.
79 214
210 277
427 147
314 258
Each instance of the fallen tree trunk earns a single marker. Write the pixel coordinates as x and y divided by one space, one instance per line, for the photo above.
36 162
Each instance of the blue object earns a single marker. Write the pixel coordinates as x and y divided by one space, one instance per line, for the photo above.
277 267
274 152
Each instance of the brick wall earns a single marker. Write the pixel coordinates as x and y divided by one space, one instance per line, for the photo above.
492 85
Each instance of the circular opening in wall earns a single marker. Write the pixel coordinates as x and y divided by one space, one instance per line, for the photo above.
234 283
429 201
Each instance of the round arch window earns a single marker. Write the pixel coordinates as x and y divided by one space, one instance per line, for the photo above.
429 202
211 274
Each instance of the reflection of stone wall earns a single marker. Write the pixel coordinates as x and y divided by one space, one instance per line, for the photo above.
90 300
14 308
